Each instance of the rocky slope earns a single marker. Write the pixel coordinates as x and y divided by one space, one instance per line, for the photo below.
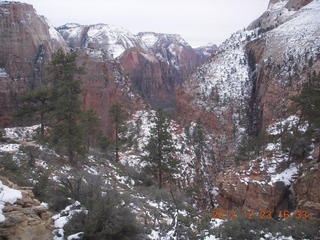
154 62
242 91
245 88
24 216
247 84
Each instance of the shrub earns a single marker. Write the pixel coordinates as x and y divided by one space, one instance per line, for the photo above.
14 170
108 216
253 229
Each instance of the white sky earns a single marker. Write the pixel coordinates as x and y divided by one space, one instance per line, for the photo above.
199 22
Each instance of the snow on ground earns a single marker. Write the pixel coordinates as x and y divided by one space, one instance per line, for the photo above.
139 126
114 39
287 124
285 176
54 34
278 5
149 39
63 218
21 133
226 77
75 236
7 195
268 168
298 31
101 40
9 147
211 237
149 57
3 73
71 32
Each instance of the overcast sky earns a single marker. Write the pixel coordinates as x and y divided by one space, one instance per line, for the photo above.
199 22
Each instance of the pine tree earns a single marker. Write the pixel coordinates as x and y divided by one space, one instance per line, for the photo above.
160 148
118 115
36 103
67 132
308 102
89 123
201 151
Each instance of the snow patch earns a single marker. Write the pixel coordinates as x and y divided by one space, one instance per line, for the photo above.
63 218
75 236
149 39
287 124
285 176
111 38
3 73
149 57
21 133
7 195
54 34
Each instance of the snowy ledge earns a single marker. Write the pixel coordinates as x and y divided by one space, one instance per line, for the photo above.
7 195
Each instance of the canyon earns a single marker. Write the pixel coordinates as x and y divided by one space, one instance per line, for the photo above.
238 91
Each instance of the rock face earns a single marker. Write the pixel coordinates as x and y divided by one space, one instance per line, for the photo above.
297 4
100 40
246 87
261 184
307 193
105 84
26 41
26 219
247 84
155 63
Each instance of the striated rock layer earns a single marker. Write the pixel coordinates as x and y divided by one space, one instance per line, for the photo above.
26 219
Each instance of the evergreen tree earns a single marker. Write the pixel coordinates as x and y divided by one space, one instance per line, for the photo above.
308 102
67 132
201 151
89 123
160 148
198 139
118 115
36 103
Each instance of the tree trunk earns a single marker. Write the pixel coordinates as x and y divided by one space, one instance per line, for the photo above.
70 154
160 174
117 144
42 124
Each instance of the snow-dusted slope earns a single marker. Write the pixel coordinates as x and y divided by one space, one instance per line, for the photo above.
246 84
139 131
168 48
225 78
99 39
297 36
104 40
152 39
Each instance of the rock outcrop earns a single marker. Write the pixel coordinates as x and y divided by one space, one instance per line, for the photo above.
246 87
104 84
307 191
26 219
155 63
247 84
261 184
27 42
